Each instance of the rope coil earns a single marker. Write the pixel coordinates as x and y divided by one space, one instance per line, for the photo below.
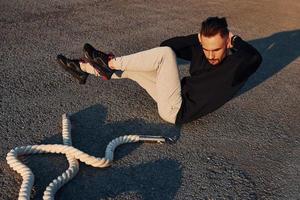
72 154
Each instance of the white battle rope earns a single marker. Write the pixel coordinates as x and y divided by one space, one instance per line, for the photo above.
72 154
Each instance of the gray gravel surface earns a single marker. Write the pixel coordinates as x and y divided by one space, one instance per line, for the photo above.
248 149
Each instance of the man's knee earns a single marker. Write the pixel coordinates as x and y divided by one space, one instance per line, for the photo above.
167 51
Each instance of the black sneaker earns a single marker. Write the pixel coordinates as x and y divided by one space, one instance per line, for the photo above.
99 60
73 67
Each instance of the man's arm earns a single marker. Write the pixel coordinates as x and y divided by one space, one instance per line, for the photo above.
182 46
251 59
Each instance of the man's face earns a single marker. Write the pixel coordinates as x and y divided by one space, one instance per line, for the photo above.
214 48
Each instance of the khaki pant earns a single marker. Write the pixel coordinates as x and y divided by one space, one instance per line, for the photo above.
156 71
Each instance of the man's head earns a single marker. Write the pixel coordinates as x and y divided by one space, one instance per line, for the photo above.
214 39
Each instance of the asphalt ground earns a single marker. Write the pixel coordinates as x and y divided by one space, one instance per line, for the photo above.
247 149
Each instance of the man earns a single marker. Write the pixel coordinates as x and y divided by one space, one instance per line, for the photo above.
220 64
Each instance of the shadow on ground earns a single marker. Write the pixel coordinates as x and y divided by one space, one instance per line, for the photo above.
278 51
158 179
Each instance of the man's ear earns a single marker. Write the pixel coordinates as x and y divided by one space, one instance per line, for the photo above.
228 42
230 35
199 37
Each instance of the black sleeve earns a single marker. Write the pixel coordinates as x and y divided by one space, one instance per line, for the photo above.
251 60
182 46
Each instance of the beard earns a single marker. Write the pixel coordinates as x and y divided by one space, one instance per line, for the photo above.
214 61
217 61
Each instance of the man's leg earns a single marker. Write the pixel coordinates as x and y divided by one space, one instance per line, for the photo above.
157 72
144 79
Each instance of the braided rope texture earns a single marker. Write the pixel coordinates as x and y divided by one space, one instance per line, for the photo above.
72 154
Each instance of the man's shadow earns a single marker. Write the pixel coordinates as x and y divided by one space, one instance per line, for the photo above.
157 179
278 51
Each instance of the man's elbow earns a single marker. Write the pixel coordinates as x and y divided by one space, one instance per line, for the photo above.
248 68
255 62
258 59
255 59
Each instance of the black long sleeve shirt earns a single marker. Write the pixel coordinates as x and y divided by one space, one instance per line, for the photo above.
209 87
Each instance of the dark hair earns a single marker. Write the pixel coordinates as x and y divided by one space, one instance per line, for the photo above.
214 25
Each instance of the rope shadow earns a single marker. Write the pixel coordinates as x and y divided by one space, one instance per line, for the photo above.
159 179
